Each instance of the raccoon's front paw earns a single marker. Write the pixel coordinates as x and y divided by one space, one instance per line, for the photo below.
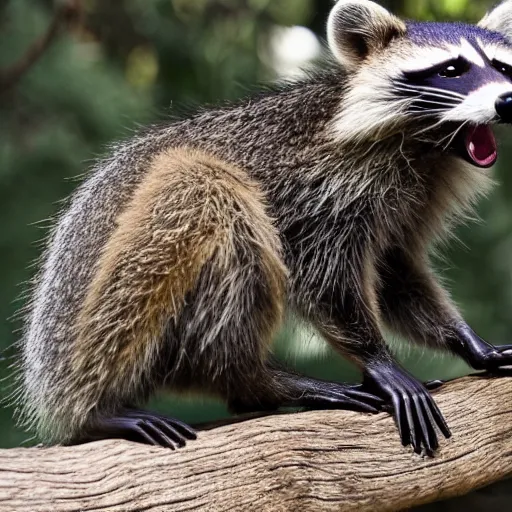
480 354
414 409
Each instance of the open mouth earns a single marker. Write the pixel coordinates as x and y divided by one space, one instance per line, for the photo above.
477 145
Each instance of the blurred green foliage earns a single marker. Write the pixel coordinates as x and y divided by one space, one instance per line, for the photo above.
133 62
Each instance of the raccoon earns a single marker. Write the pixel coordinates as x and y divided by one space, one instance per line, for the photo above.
172 265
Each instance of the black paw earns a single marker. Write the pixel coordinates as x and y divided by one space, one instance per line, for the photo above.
318 394
493 359
478 353
415 411
353 397
143 427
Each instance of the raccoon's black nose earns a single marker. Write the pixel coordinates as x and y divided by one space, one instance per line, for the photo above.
503 107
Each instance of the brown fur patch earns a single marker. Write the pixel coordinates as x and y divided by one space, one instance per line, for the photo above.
180 215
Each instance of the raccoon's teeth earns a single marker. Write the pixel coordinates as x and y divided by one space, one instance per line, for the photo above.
481 145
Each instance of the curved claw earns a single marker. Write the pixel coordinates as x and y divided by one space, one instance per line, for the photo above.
159 437
503 358
414 409
431 385
176 426
433 443
334 401
401 420
421 425
144 427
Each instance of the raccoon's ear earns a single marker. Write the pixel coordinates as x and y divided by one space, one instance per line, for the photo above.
499 19
358 28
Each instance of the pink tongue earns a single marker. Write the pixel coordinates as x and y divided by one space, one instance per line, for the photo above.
481 146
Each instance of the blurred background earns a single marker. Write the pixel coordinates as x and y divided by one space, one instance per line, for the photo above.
72 83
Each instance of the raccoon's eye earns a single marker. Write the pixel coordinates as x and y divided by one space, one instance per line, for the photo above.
455 68
503 68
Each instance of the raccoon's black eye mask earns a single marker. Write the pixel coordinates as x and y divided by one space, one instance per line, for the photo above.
459 68
503 68
453 68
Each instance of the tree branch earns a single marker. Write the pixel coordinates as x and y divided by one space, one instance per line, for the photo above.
319 460
69 11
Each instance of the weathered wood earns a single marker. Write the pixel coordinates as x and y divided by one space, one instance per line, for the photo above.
321 460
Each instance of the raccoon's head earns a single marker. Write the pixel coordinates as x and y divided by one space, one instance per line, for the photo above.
448 82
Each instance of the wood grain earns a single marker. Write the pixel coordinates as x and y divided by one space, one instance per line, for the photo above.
319 460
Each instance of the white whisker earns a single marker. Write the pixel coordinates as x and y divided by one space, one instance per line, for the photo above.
427 110
428 128
453 136
453 101
431 89
436 107
435 103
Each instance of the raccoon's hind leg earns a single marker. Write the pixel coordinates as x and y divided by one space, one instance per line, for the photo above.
187 293
169 229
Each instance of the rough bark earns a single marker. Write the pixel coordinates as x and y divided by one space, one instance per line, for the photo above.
320 460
